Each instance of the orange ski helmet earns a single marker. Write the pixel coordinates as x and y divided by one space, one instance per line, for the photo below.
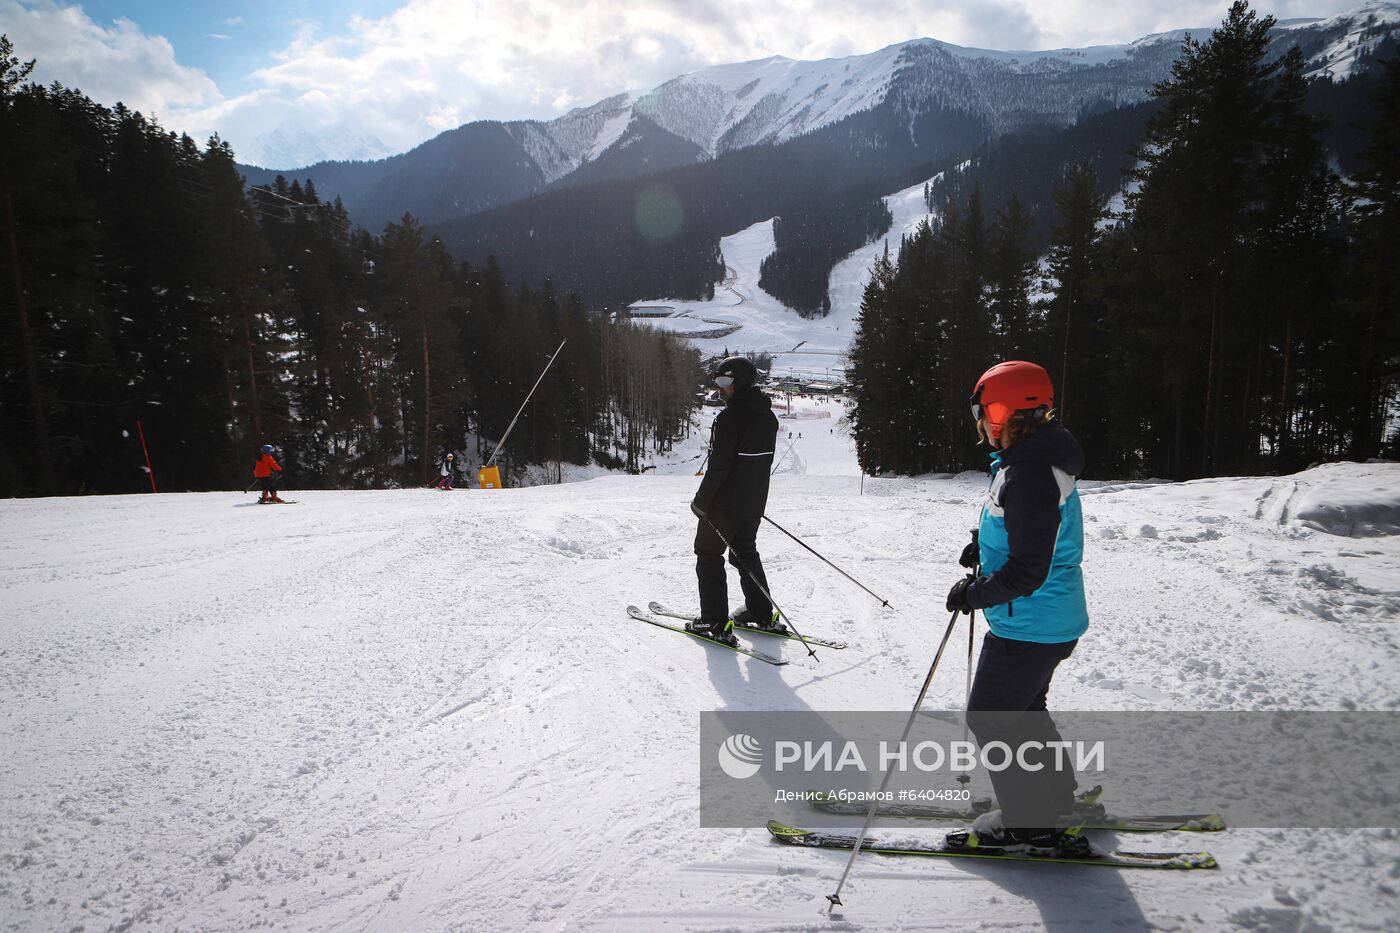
1010 387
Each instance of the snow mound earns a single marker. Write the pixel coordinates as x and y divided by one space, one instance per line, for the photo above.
1350 501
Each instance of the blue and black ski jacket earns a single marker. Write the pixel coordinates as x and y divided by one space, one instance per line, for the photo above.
1031 541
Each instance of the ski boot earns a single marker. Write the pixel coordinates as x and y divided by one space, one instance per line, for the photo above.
265 499
277 499
722 632
1060 843
988 832
759 621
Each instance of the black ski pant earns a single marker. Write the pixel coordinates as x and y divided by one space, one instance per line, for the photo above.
743 554
1007 704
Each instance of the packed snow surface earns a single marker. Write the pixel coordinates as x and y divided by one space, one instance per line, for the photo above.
418 710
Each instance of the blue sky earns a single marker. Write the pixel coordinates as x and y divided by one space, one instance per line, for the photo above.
229 41
292 81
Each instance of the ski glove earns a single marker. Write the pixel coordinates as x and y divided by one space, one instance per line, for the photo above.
971 555
699 512
958 595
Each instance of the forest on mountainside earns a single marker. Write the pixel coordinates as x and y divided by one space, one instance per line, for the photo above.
657 236
152 299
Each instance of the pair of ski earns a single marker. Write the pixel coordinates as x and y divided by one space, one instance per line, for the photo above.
1092 813
791 835
659 613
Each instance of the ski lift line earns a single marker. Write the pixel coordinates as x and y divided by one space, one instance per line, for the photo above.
292 201
343 224
501 443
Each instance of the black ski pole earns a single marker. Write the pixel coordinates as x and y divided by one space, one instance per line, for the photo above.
883 602
964 778
708 447
783 458
761 588
835 897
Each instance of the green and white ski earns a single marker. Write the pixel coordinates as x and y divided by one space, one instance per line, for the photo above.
1154 823
1179 861
641 616
661 610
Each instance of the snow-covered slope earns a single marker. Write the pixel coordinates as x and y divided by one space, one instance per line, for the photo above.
561 146
1343 39
743 318
733 106
425 711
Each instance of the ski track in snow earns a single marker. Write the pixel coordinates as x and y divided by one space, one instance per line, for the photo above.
420 710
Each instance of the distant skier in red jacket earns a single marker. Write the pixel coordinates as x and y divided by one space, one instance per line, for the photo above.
266 471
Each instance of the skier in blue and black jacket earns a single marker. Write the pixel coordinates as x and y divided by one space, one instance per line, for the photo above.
1029 544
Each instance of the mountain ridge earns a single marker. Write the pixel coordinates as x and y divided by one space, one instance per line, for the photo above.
727 107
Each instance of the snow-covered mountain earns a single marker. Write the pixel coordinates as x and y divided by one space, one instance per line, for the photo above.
293 145
716 110
732 106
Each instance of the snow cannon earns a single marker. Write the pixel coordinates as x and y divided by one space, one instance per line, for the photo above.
489 477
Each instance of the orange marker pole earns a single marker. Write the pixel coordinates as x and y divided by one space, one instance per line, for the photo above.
149 472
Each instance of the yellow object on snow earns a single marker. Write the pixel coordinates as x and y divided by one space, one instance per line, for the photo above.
489 477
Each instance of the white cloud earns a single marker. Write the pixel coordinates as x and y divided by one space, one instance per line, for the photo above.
434 64
113 64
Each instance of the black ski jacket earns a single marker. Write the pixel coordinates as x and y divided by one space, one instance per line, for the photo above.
743 440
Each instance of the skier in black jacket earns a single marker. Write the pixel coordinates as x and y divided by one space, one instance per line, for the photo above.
731 501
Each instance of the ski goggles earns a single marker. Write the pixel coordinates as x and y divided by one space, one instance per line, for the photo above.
724 382
994 412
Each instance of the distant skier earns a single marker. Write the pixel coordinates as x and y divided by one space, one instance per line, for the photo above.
267 471
446 471
1029 542
731 501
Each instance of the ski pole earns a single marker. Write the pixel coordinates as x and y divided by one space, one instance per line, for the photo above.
762 589
835 897
784 457
965 778
708 447
883 602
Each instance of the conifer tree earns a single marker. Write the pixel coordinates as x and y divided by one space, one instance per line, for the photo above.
1230 162
1011 274
1376 286
418 305
1073 246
